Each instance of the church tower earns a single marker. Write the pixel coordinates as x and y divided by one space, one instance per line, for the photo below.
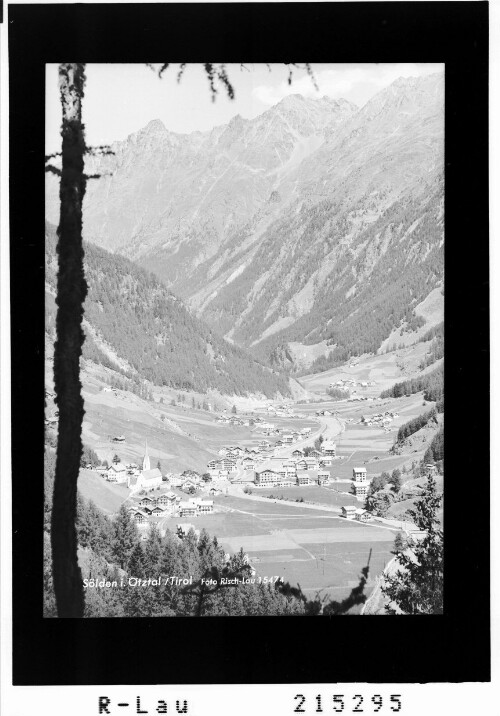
145 461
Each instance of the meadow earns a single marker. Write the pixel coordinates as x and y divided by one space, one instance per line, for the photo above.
315 549
313 493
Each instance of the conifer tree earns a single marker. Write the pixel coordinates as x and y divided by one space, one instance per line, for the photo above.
211 555
125 537
137 563
396 480
399 543
153 552
417 587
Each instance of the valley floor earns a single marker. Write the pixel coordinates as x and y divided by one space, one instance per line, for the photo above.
309 546
306 543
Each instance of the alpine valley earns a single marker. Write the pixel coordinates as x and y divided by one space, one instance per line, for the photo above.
307 235
286 268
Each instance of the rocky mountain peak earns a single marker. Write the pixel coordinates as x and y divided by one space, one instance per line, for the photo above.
340 103
236 121
405 98
155 126
292 100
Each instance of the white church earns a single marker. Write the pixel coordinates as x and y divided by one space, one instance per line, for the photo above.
146 479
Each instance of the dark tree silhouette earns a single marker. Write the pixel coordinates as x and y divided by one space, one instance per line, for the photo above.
71 292
331 607
417 586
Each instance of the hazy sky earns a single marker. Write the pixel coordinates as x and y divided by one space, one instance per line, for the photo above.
122 98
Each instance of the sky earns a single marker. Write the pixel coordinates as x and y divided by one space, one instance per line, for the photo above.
122 98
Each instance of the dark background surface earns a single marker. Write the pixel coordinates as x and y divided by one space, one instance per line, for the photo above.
452 647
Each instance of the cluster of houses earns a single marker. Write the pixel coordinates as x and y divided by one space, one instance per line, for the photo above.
169 505
234 457
154 507
285 437
356 513
298 469
379 419
290 437
349 385
149 480
134 477
343 383
233 420
109 389
261 424
190 482
288 473
146 479
284 410
279 472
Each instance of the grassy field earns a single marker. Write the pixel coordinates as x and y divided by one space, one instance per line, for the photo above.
222 525
383 370
107 415
333 570
359 445
179 436
313 548
104 494
319 495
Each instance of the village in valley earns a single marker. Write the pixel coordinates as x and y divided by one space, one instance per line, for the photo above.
262 369
259 467
285 481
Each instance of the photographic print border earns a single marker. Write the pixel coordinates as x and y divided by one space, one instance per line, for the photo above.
452 647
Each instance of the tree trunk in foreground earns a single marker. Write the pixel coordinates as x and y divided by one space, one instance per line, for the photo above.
71 292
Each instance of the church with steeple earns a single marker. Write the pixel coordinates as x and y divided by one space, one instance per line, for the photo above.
148 479
146 464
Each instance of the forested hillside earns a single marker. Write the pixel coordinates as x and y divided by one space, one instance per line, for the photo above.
436 350
431 383
135 325
361 300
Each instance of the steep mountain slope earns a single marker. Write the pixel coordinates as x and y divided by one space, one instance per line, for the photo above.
135 325
315 223
363 243
181 195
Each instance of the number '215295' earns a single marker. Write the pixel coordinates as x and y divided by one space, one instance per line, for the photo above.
354 704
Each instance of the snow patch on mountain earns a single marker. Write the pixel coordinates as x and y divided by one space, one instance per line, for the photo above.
236 273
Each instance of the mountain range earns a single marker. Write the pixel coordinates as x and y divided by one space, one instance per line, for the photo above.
316 223
136 327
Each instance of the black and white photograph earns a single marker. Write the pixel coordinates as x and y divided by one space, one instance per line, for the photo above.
263 338
241 295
